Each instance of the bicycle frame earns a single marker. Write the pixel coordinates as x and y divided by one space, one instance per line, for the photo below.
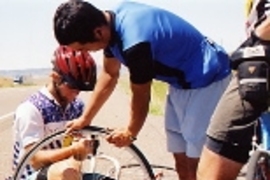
259 162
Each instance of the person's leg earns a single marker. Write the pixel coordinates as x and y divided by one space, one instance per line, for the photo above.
192 165
199 105
186 118
186 166
229 136
181 165
68 169
175 142
215 167
176 145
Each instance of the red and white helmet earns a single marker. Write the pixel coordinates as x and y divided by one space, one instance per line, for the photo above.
77 68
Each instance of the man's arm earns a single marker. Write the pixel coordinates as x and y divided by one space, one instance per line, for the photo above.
263 29
45 157
140 100
79 150
141 67
104 87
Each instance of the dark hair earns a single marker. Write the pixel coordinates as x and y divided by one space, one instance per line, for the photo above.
75 21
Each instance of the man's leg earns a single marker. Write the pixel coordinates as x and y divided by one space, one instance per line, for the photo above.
198 112
175 141
68 169
187 116
215 167
229 136
185 166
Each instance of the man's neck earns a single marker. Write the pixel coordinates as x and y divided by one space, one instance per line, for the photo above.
110 32
56 96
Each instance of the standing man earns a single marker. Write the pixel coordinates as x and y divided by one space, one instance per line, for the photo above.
154 44
232 125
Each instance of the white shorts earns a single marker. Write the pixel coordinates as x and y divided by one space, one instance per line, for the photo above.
187 116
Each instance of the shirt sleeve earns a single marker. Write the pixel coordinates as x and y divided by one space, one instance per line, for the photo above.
140 63
28 124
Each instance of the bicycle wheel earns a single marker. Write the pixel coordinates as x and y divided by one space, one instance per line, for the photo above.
258 167
116 163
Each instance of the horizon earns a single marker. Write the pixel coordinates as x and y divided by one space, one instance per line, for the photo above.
39 71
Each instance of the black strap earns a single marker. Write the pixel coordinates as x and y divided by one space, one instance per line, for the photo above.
252 48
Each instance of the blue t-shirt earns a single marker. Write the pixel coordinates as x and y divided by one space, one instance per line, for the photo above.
155 43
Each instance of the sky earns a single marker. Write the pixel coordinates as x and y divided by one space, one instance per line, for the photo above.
27 39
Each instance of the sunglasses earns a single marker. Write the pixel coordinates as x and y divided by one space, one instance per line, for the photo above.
77 85
71 86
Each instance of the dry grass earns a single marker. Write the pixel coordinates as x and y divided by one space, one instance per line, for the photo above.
158 94
6 82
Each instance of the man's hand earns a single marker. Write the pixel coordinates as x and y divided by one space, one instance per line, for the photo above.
75 124
120 137
82 148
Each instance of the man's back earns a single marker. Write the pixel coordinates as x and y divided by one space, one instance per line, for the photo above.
174 43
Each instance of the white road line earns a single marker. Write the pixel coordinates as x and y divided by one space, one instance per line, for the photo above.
6 115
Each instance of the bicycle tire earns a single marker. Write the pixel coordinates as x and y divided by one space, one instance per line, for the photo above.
132 149
253 170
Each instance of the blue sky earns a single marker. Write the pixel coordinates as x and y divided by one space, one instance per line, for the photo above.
27 39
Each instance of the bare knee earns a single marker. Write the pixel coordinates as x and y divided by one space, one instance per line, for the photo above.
71 174
64 170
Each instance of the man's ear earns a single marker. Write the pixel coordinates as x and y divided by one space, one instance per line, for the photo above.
56 78
98 34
